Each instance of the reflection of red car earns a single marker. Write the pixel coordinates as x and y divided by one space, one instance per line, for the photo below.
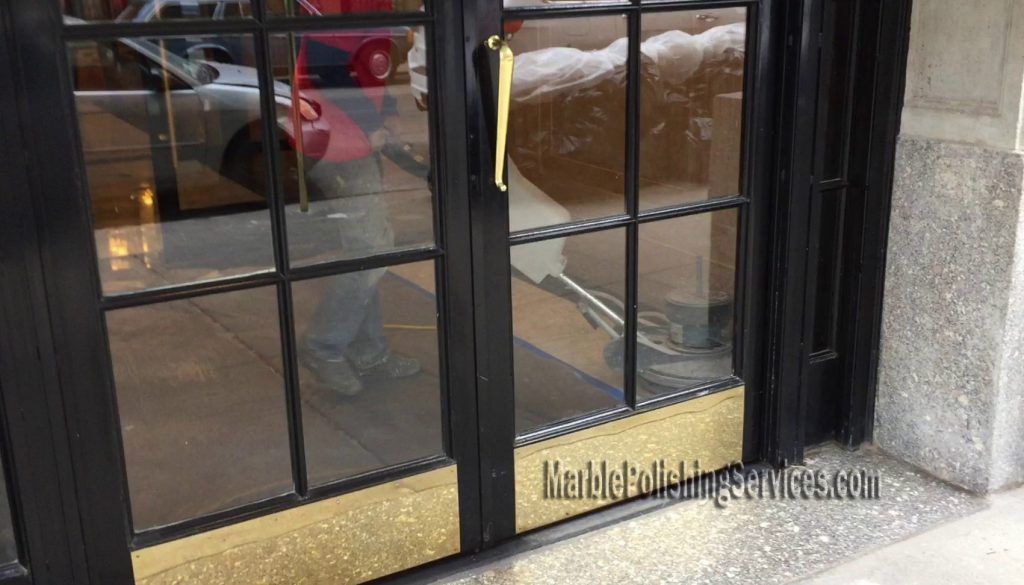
373 53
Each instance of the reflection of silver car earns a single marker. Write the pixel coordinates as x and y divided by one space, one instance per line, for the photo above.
135 99
379 51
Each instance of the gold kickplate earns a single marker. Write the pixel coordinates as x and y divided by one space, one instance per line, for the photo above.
391 527
348 539
707 430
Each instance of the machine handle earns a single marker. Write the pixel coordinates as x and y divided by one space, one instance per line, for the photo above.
507 60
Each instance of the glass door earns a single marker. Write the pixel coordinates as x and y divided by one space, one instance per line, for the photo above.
351 282
629 193
280 273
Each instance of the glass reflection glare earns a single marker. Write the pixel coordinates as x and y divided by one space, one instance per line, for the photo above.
173 154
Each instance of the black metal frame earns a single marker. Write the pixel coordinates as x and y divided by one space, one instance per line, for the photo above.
826 368
64 452
837 385
34 439
888 50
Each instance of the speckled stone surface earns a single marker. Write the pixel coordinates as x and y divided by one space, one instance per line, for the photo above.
951 378
749 541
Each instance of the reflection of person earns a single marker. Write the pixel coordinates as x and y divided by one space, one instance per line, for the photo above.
345 341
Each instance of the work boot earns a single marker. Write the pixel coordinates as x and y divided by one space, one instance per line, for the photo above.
391 367
338 375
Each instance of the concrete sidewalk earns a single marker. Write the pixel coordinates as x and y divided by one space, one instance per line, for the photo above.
783 541
984 548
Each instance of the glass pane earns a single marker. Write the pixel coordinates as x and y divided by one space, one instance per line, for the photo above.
370 374
567 312
202 404
365 141
830 264
78 11
686 289
8 542
842 20
691 105
567 131
173 154
334 7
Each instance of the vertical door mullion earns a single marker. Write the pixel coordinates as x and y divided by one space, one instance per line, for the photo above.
276 198
491 279
632 304
448 119
784 404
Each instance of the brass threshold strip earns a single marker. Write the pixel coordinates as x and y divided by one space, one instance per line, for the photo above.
352 538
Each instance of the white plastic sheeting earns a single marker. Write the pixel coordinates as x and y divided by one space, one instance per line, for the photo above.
720 39
547 74
676 55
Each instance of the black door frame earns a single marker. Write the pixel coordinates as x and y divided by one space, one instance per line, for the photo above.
34 439
58 323
888 50
881 46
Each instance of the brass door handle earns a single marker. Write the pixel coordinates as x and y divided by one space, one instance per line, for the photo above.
507 60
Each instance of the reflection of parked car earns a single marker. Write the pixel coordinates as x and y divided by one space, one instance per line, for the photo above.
227 49
136 102
378 51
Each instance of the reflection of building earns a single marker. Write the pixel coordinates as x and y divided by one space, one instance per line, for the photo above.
689 263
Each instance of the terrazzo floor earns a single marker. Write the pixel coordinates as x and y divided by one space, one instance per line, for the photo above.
747 541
